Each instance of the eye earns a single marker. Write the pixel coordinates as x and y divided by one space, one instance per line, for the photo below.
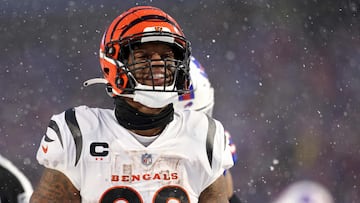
167 55
140 55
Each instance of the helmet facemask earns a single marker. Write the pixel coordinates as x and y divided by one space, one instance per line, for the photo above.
139 70
168 75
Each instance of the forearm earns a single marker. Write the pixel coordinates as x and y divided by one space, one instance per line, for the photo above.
55 187
215 193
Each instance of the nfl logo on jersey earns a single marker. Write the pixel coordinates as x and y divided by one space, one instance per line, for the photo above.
146 159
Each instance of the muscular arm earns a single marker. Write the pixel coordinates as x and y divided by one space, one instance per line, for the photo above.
215 193
54 186
229 184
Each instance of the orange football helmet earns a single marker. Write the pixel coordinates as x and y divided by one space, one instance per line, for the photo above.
142 24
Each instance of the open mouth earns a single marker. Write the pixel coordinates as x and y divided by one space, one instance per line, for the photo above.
158 79
154 75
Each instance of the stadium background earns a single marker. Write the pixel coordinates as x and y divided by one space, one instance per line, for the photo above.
286 76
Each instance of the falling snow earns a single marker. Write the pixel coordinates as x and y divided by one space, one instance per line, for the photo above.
286 76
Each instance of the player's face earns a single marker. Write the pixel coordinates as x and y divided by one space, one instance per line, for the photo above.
153 64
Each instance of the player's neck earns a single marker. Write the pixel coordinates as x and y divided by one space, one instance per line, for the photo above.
145 109
140 119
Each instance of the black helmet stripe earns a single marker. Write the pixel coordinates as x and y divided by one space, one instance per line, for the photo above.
117 23
147 18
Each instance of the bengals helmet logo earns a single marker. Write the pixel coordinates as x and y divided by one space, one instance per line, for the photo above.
158 29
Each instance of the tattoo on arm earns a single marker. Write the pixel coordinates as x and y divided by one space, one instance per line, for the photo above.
55 186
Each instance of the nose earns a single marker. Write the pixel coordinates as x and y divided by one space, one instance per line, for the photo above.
156 60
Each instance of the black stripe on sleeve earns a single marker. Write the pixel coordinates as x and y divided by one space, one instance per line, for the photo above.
210 139
75 131
53 125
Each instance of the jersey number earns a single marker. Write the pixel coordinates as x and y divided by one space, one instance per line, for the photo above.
128 194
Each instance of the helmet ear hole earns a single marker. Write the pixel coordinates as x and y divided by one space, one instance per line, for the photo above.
120 82
110 51
106 71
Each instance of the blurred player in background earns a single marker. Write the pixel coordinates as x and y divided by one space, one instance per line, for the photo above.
202 99
305 192
14 186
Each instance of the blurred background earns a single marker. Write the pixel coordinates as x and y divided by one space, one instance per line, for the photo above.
286 76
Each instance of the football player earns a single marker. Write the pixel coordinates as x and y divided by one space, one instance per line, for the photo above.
305 192
201 98
142 150
14 185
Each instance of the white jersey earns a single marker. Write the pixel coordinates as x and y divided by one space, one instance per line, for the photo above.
105 162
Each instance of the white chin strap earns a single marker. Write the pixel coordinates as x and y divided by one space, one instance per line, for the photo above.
144 95
153 99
